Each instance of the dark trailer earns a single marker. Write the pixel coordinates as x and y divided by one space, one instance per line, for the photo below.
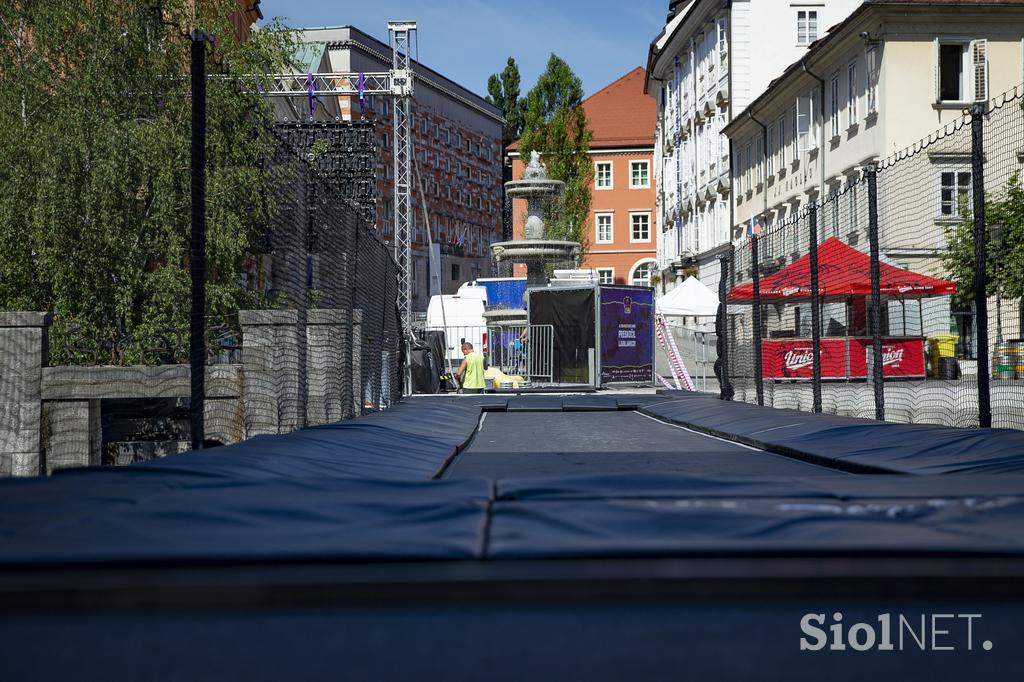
603 334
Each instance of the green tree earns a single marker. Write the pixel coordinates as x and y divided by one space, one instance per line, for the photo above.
95 136
1005 263
555 125
503 92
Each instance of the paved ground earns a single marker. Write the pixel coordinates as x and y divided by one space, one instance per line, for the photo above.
516 444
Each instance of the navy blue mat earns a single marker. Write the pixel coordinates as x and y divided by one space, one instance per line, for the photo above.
158 519
361 490
596 442
850 442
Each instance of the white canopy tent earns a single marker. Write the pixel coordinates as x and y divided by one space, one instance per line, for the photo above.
691 299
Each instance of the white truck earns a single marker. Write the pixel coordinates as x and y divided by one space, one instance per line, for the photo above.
461 317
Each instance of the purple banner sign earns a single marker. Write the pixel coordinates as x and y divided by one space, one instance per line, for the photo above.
627 335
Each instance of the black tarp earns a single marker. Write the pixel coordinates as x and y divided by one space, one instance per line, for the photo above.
571 313
426 373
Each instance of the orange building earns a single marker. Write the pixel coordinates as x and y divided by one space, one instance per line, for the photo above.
621 237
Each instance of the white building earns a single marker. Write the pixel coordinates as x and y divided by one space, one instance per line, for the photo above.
892 81
712 59
888 79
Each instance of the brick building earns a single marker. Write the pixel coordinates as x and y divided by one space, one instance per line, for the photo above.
457 149
621 237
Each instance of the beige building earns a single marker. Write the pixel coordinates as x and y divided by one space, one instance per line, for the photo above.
889 84
889 76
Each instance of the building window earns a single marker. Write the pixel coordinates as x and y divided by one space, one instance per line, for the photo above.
746 167
640 227
852 94
954 193
605 232
806 26
723 45
606 276
952 70
770 157
455 272
834 104
854 217
603 175
794 135
805 123
758 166
871 63
642 274
782 141
639 175
962 71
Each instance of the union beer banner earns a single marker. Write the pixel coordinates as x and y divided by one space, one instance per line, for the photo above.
794 358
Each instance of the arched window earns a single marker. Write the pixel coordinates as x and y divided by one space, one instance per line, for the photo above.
641 276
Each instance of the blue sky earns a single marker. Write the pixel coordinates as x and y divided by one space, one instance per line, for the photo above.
467 40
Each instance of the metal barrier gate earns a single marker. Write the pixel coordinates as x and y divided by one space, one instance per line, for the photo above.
526 351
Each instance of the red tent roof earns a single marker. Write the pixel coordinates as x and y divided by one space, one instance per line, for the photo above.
842 271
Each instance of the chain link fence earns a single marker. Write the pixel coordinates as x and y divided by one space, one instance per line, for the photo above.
898 296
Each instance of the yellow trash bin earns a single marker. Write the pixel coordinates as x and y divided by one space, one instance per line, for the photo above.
941 346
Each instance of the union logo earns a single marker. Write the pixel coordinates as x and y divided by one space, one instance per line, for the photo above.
891 355
798 358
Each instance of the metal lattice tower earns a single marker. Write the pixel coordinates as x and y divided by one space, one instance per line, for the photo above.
402 34
399 84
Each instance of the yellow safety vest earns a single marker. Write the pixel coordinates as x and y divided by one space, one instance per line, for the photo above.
474 371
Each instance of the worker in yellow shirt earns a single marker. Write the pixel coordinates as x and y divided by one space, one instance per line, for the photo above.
471 371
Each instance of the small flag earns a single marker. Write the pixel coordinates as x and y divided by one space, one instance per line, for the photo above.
754 227
310 89
362 94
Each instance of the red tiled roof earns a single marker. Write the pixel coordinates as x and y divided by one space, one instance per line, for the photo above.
620 114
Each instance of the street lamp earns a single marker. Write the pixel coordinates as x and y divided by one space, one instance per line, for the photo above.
996 232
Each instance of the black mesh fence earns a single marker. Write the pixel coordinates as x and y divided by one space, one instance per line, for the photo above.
870 302
299 324
332 275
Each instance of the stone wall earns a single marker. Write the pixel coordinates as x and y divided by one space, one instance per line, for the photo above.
23 345
50 417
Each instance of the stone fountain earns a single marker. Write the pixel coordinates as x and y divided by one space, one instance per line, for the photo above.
533 250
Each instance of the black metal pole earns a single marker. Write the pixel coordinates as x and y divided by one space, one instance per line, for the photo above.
722 329
197 255
875 314
815 309
758 373
980 261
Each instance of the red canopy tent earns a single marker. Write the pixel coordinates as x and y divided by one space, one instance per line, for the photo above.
843 271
